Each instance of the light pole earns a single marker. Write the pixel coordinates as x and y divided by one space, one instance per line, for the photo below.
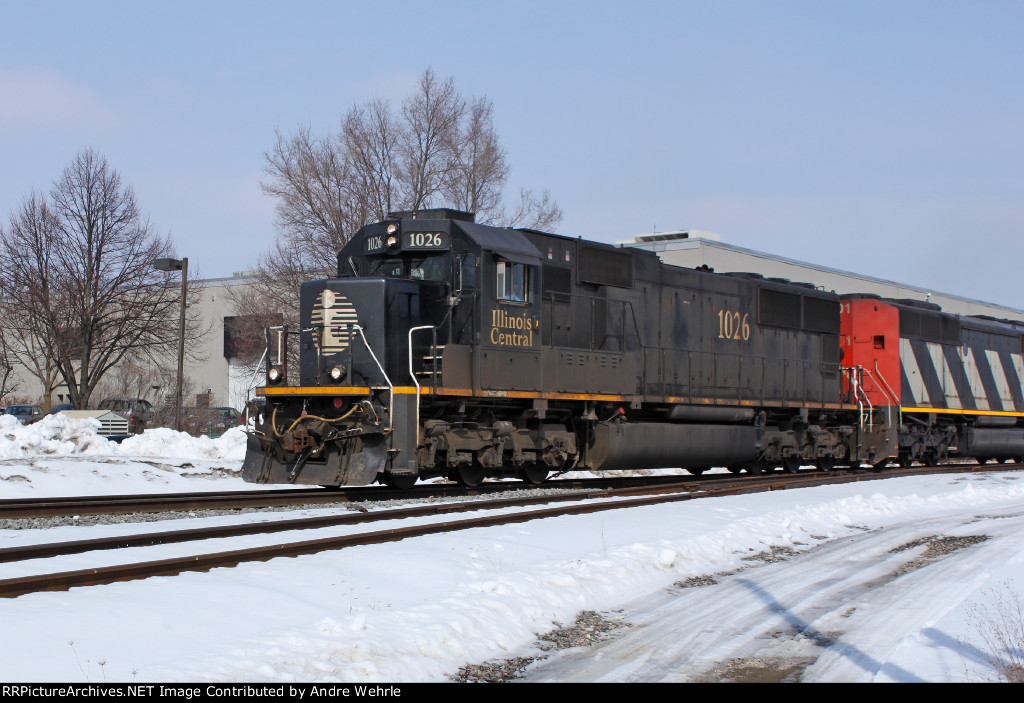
177 265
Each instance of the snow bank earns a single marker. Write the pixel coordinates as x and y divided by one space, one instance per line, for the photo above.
59 435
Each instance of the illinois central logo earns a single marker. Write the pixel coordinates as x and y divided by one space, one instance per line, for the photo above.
331 312
512 330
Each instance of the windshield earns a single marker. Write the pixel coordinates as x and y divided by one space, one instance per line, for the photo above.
416 268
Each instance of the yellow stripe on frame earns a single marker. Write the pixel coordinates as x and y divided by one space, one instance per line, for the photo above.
958 411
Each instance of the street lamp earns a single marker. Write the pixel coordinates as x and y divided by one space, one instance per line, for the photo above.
177 265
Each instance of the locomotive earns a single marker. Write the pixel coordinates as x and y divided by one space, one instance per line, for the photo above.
444 347
960 388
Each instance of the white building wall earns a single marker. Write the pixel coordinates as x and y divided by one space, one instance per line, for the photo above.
210 372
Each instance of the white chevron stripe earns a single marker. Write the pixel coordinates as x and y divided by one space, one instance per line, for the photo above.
1018 364
974 378
942 369
1001 383
917 388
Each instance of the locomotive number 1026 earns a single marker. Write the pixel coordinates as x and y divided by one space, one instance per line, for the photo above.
733 325
425 240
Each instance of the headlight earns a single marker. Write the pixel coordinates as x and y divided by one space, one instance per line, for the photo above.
392 228
337 373
274 375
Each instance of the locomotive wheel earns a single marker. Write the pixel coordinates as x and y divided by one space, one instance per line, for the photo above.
734 469
905 460
534 474
696 471
880 465
930 457
756 468
791 465
469 475
400 482
981 459
825 463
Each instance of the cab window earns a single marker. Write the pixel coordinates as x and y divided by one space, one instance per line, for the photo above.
388 268
513 281
427 268
416 268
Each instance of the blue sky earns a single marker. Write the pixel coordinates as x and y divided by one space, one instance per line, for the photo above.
880 137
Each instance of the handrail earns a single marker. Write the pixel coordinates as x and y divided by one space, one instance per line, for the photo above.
283 331
391 386
252 379
867 373
892 394
412 372
858 392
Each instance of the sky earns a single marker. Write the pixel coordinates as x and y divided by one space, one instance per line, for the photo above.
842 583
878 137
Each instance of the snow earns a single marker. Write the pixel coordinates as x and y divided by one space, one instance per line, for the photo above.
815 580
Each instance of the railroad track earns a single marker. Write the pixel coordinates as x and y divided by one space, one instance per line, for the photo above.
587 502
239 500
23 508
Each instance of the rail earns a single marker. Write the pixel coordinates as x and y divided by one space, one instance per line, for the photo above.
891 394
855 374
391 386
412 371
282 356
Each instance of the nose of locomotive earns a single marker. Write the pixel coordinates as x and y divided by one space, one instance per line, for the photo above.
341 323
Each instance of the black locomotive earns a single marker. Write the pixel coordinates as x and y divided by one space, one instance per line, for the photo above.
449 348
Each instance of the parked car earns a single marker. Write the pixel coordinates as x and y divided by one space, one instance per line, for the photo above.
61 408
139 412
210 421
26 414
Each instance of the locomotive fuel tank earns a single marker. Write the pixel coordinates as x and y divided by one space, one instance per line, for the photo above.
653 445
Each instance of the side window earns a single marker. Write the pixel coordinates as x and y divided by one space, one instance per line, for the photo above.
467 271
513 281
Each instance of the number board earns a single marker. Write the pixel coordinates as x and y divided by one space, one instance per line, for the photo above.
733 324
425 240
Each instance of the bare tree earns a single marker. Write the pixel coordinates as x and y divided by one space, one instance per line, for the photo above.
370 138
440 149
431 117
29 275
83 278
9 383
479 172
532 212
309 181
